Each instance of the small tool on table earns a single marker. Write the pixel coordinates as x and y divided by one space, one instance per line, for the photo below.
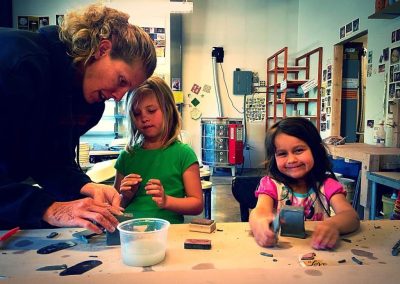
396 248
7 235
85 235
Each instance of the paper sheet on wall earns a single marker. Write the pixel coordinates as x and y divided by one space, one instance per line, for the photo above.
255 109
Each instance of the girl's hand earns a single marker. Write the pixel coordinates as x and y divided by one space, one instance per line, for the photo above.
155 188
325 236
128 188
262 232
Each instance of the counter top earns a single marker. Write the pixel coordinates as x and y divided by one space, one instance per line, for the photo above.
234 258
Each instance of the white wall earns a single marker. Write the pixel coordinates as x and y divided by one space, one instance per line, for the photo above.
319 25
142 13
249 31
252 30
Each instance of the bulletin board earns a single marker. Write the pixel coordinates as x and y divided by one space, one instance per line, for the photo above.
157 34
255 108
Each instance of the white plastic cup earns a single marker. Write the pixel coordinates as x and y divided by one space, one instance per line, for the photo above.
143 241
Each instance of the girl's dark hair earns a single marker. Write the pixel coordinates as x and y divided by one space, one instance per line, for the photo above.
304 130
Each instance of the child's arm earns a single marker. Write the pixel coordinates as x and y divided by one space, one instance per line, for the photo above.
192 204
127 186
326 233
260 219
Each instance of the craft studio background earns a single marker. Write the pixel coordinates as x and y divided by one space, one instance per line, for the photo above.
235 69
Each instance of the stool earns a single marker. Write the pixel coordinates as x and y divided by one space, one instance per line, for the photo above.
207 188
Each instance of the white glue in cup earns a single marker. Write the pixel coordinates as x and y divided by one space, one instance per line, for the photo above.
143 241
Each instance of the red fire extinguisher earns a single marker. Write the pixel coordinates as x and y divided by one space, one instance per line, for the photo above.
235 150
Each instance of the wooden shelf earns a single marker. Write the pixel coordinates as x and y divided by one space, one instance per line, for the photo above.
278 108
290 83
290 69
390 12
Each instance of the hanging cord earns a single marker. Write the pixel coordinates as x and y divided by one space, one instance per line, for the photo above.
226 87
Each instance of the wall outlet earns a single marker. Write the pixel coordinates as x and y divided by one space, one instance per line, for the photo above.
262 83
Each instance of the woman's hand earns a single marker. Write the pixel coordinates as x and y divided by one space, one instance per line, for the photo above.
156 190
261 228
103 194
83 213
325 235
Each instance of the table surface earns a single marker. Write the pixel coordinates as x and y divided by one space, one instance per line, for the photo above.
372 157
395 176
351 149
234 258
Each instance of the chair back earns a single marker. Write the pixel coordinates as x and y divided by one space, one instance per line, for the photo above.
243 188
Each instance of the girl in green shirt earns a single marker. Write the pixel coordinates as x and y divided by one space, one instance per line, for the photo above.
157 175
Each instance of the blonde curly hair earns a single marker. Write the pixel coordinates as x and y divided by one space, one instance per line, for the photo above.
82 31
171 118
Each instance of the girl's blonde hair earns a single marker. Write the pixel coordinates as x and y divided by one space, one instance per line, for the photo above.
171 117
82 31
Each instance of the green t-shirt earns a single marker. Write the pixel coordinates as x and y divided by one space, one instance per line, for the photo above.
167 165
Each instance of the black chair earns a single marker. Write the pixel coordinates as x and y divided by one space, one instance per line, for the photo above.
243 189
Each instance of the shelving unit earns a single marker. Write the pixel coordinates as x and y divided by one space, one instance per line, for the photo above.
284 101
390 12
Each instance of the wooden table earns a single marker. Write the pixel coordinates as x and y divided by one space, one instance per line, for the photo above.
371 158
234 258
391 179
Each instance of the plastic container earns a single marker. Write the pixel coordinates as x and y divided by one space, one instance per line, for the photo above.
349 185
143 241
387 206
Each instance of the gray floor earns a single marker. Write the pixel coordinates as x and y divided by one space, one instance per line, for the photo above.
224 207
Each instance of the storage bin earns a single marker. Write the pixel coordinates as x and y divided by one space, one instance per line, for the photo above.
387 206
349 169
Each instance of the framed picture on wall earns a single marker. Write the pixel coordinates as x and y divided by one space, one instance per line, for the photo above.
395 55
356 24
59 19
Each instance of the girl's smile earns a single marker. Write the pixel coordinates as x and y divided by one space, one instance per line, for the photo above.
293 156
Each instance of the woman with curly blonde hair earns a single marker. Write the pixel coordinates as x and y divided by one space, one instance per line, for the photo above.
57 80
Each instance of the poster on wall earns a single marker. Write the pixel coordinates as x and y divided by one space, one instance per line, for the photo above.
23 23
255 109
32 23
394 74
59 19
157 34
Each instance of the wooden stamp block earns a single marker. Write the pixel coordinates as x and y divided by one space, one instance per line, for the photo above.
202 225
197 244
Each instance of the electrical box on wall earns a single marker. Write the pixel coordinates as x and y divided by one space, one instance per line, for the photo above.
242 82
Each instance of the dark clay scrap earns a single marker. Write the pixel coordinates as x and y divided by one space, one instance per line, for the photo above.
292 221
308 256
81 267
